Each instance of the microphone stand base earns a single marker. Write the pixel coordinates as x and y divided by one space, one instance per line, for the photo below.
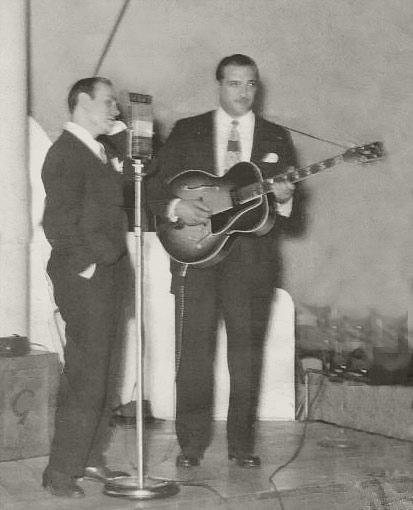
129 487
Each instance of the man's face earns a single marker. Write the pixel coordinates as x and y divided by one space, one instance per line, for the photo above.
237 89
101 110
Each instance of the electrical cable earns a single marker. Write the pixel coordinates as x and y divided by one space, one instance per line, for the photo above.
299 447
167 455
111 36
320 139
109 43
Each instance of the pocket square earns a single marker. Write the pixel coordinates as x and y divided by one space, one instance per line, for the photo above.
271 157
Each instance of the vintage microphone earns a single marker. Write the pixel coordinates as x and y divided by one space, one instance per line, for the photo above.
139 151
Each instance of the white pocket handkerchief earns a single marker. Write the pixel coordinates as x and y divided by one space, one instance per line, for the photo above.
271 157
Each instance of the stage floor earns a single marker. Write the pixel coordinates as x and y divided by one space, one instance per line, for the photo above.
335 468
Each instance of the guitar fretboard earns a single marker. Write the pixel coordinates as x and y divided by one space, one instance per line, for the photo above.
297 175
364 153
257 189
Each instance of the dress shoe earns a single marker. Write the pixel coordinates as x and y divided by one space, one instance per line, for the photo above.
187 461
102 474
60 484
245 461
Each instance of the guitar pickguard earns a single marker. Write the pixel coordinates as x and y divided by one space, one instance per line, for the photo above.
243 218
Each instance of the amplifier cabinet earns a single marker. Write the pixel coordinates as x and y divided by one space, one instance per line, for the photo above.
28 391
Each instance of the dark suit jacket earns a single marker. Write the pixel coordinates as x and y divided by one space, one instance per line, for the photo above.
190 146
84 219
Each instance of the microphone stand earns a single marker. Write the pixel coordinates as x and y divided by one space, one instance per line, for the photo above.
139 487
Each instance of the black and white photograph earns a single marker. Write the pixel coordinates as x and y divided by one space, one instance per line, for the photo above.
206 254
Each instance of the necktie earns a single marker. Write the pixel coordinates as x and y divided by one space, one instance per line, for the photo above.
102 154
233 153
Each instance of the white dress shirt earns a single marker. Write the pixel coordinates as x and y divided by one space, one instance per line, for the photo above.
85 137
223 126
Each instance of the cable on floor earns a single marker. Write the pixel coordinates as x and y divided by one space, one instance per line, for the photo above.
299 447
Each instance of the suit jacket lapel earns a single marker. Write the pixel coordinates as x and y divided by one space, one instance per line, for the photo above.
204 143
259 140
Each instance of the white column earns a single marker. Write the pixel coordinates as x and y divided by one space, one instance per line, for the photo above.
14 196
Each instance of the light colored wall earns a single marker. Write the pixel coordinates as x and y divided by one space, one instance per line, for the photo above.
339 69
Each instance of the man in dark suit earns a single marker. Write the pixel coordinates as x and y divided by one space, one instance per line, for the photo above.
85 224
241 286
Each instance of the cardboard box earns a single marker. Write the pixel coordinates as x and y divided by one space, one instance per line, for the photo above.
28 390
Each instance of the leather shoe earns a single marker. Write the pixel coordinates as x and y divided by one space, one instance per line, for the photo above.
102 474
60 484
187 461
245 461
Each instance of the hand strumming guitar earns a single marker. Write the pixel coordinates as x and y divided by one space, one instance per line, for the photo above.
192 212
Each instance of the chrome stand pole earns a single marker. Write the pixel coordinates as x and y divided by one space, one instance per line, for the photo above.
139 487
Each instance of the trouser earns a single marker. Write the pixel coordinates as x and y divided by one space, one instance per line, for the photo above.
200 299
88 385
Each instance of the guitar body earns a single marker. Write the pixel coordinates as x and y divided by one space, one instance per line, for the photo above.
239 205
205 245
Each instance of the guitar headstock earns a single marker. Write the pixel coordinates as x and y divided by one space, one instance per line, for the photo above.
365 153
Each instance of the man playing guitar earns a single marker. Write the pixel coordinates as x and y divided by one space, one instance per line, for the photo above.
240 286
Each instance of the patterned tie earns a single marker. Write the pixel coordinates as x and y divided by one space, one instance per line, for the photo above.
233 153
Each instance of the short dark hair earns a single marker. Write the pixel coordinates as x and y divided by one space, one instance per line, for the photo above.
86 85
237 60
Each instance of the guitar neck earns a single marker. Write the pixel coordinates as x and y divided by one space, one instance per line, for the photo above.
252 191
296 175
364 154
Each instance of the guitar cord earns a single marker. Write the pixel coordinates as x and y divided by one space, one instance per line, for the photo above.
314 137
180 317
178 350
299 447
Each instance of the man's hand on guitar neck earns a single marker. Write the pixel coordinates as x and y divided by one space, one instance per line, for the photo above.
283 191
192 212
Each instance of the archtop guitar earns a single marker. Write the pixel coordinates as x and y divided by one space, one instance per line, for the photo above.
239 204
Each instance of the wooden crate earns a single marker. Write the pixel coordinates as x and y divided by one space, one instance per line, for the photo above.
28 390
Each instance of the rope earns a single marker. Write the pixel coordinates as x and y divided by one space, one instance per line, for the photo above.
111 37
